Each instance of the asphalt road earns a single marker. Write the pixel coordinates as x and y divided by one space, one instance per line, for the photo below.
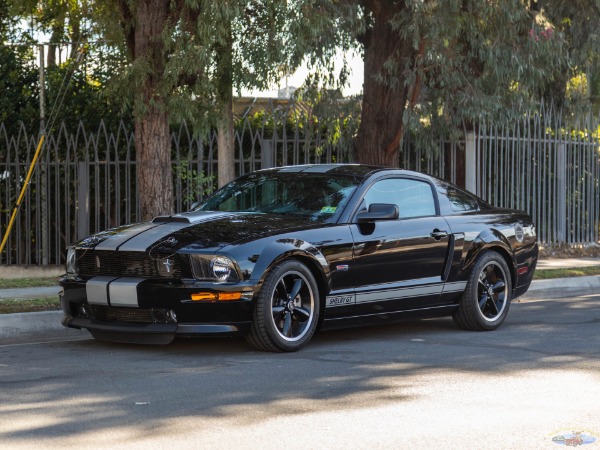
415 385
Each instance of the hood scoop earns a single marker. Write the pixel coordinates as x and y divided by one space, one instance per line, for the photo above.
176 218
192 217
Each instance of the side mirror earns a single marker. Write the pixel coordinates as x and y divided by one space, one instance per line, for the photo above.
194 205
378 211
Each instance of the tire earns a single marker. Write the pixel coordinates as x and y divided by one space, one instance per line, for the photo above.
287 309
486 300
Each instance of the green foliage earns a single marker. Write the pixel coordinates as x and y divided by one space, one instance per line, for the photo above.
471 59
475 59
193 43
18 76
328 117
28 282
75 91
198 185
10 306
85 101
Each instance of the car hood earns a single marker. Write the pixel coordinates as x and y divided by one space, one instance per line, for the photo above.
194 231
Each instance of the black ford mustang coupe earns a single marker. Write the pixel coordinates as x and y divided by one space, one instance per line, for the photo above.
279 253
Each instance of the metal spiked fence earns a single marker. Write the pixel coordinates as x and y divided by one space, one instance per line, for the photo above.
552 172
85 181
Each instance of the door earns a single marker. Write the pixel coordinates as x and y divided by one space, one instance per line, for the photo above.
398 264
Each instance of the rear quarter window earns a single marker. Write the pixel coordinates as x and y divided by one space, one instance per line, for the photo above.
461 201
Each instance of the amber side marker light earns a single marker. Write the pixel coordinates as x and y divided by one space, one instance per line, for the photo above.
216 296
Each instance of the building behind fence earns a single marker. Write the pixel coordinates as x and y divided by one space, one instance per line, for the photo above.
85 181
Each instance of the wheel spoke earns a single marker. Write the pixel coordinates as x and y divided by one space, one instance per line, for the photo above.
303 313
277 310
499 286
483 300
493 306
281 291
287 325
296 288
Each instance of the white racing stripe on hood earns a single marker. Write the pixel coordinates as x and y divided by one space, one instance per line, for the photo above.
143 241
113 242
147 239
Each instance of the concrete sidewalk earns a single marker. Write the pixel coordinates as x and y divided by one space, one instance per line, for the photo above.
43 324
567 263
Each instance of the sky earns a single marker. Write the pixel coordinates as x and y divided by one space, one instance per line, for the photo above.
354 86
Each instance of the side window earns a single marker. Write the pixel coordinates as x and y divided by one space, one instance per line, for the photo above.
414 198
461 201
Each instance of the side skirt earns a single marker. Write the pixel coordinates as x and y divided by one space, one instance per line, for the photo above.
388 317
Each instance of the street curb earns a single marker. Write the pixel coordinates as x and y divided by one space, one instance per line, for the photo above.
563 287
40 324
32 292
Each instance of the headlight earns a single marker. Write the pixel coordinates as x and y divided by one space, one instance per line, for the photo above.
219 269
71 261
222 268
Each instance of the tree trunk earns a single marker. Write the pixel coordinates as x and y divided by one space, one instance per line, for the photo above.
55 37
153 163
226 146
381 127
152 138
225 126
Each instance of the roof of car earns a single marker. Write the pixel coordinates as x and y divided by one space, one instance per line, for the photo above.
331 169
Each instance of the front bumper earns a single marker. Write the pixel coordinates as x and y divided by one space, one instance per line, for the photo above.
151 333
152 311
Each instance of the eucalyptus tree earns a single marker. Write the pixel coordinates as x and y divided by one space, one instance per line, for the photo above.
436 64
431 65
578 24
187 58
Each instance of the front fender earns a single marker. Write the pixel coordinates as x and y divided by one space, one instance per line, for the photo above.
284 248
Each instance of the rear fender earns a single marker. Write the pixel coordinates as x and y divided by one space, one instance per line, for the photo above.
491 240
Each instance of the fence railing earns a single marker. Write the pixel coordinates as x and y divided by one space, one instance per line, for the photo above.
553 174
85 182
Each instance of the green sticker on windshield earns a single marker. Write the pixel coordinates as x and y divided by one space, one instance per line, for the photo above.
328 209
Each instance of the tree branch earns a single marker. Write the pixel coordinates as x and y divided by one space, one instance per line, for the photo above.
413 94
127 25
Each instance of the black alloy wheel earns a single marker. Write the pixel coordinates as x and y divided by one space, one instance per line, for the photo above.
486 300
287 309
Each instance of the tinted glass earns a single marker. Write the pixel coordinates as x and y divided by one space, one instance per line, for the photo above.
461 201
414 198
313 196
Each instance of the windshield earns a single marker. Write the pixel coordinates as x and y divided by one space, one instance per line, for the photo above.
314 196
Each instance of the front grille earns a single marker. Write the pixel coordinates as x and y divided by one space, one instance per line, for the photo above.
132 315
93 263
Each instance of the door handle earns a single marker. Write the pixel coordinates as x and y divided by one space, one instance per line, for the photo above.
438 234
